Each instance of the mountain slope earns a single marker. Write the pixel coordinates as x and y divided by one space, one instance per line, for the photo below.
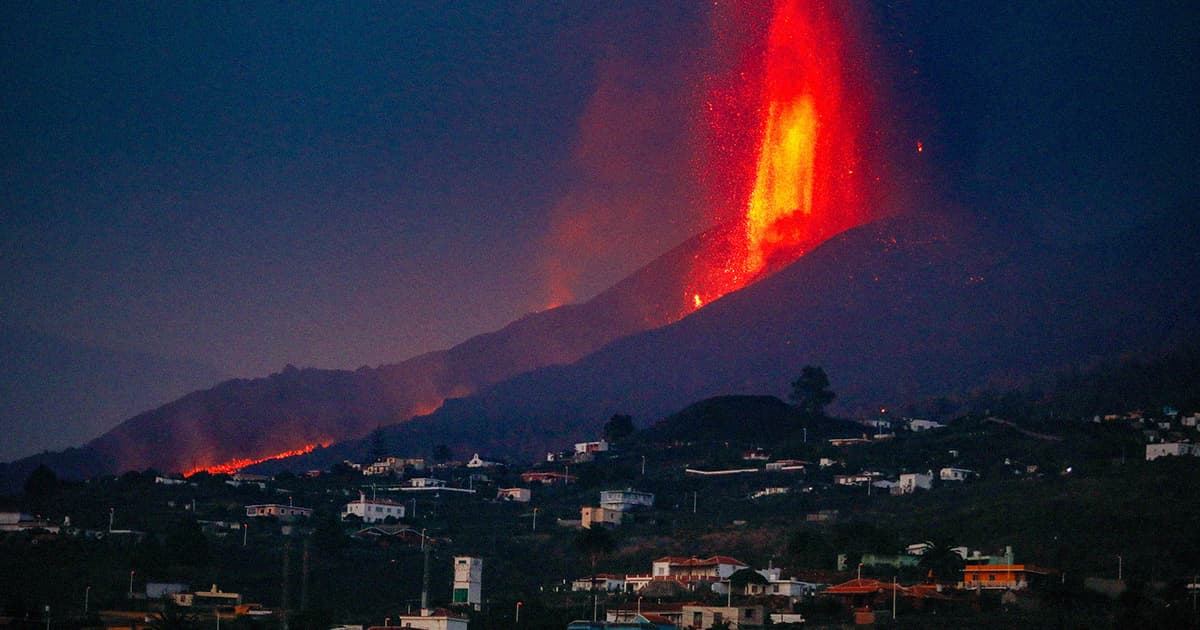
56 393
897 310
249 419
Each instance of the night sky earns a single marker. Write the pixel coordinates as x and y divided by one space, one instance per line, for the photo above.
336 185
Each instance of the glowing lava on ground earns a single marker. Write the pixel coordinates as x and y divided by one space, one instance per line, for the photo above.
234 465
805 181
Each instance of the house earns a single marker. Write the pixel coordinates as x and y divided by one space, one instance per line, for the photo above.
756 455
738 617
211 598
665 612
389 465
426 483
779 586
859 479
516 495
605 582
861 592
18 521
911 482
1000 576
786 465
547 478
769 491
599 446
430 619
286 512
697 569
374 510
602 516
1166 449
848 441
917 425
478 462
625 500
955 474
170 481
646 621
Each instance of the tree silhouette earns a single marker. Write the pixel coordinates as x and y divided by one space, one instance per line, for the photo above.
596 542
618 427
811 392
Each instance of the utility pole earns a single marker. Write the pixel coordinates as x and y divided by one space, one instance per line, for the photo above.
283 600
1120 566
695 500
425 583
111 512
535 511
893 598
304 577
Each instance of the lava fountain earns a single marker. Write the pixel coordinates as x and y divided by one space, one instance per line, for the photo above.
804 187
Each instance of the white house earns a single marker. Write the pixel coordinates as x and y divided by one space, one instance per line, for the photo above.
786 587
517 495
478 462
910 482
1165 449
955 474
600 582
591 447
437 619
605 517
713 569
278 511
917 425
373 510
625 500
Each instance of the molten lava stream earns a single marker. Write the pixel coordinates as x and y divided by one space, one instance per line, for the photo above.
805 182
234 465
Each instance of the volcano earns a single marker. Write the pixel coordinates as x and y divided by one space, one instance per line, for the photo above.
895 311
803 187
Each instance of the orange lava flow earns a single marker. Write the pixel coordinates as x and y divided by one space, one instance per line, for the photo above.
805 185
234 465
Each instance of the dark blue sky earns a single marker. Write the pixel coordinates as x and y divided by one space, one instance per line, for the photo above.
337 185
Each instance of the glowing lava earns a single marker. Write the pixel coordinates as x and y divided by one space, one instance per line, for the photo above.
234 465
804 187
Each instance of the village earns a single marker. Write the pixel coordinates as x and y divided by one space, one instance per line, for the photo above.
613 515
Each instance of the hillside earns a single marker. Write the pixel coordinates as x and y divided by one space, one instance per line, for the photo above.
249 419
895 311
56 393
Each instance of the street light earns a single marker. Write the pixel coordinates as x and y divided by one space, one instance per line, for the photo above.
519 604
535 511
1120 566
86 592
47 616
131 584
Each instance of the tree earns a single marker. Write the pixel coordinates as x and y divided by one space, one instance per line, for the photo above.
378 445
811 392
941 562
618 427
172 617
595 541
42 483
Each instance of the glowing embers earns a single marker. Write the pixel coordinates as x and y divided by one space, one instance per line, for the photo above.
806 122
234 465
783 183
